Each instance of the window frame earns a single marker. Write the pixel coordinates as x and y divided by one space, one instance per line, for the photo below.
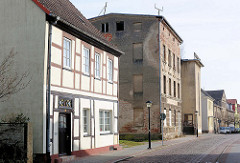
84 59
104 131
97 65
110 70
67 59
87 120
170 117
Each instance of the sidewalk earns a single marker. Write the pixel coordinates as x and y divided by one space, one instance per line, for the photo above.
115 156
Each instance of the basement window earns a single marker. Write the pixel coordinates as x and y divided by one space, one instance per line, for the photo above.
120 25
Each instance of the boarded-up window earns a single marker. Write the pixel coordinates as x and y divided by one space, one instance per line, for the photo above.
137 27
170 87
137 83
137 52
138 117
174 89
178 90
164 84
178 64
169 58
164 53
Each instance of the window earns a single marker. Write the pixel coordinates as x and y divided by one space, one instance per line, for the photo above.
178 64
105 121
170 118
170 87
97 65
110 70
165 120
66 53
169 58
137 52
120 25
105 27
138 84
175 118
178 90
86 61
86 121
164 84
174 62
174 89
164 53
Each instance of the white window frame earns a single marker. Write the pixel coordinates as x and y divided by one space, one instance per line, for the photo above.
86 61
110 70
97 65
165 120
87 116
67 59
104 131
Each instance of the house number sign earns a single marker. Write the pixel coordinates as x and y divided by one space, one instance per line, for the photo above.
65 103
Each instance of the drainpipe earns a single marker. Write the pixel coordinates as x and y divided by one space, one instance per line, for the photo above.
159 53
53 21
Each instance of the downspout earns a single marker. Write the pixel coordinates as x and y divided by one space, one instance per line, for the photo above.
53 21
160 90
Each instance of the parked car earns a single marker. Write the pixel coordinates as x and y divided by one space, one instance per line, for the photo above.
228 130
223 130
237 130
232 129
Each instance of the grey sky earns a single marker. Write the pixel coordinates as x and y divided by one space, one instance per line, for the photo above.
211 28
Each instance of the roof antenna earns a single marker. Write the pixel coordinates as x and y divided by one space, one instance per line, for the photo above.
159 10
103 10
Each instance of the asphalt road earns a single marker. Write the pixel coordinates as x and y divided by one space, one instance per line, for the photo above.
206 149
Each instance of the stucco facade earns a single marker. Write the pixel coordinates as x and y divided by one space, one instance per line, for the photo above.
138 37
84 80
207 113
191 95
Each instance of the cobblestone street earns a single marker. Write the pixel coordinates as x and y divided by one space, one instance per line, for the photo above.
204 149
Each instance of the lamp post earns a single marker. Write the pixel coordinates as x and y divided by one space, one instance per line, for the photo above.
196 113
149 104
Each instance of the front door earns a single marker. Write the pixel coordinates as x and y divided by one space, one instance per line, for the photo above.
64 134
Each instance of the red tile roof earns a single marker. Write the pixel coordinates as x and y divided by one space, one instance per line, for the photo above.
232 101
70 14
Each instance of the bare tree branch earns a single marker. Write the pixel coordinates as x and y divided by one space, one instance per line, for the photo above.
10 82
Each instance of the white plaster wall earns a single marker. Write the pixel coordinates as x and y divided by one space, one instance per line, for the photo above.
55 76
98 86
115 89
78 46
77 81
85 83
115 76
57 36
56 56
73 54
67 78
115 62
109 88
77 63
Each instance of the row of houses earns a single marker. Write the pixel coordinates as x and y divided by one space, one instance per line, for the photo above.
90 79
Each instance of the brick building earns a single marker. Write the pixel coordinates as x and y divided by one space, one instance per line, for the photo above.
138 37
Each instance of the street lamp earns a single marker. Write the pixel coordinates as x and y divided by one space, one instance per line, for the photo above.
149 104
196 113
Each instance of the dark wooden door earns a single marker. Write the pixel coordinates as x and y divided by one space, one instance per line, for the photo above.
64 134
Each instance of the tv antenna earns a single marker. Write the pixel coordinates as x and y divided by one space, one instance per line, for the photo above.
159 10
104 9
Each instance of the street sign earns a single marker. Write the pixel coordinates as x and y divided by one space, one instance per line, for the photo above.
162 116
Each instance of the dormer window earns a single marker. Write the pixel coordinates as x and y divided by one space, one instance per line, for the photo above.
105 27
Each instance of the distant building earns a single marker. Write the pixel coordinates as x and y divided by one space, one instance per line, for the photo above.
138 37
191 95
207 113
234 107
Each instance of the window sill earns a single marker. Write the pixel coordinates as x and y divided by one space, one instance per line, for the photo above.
107 133
86 135
86 74
110 82
66 68
97 78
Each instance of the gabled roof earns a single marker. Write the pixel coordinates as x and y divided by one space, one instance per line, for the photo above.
216 94
206 94
139 15
72 17
232 101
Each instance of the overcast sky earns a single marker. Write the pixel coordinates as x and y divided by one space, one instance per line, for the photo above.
211 28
